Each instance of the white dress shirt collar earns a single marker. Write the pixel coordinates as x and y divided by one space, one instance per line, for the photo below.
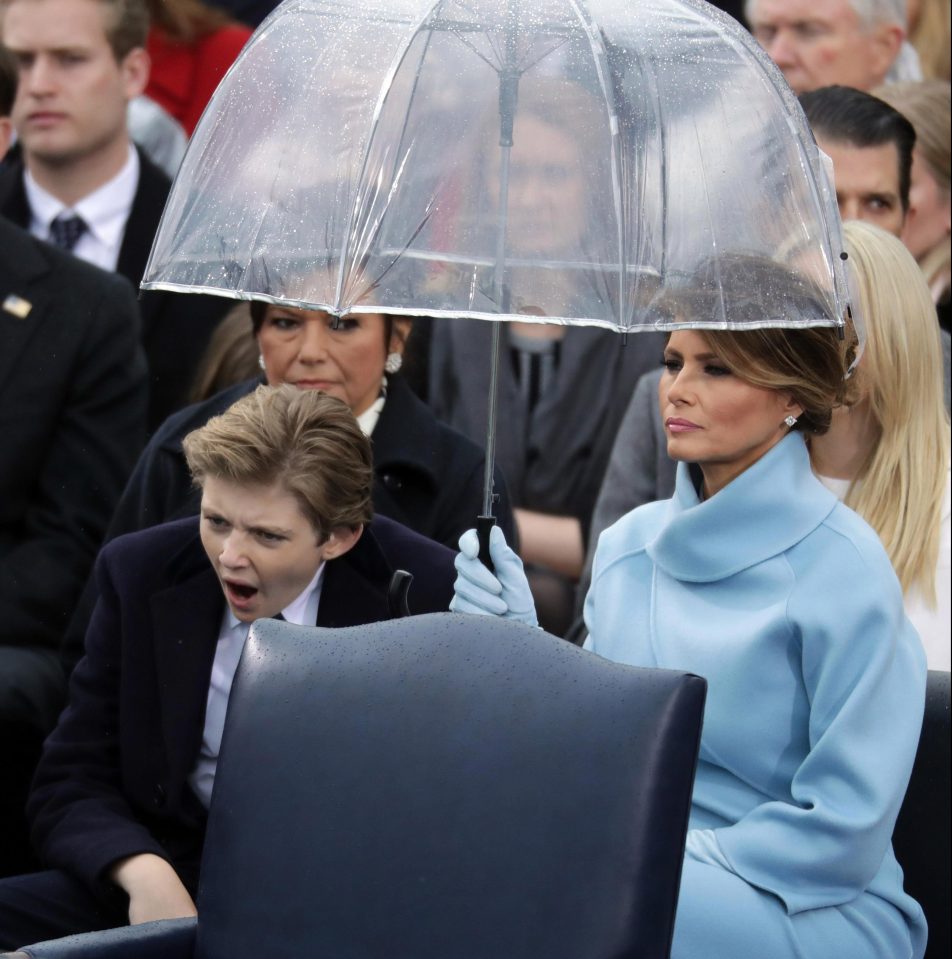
105 212
368 419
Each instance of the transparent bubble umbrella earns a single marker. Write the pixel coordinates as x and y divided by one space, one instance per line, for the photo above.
559 161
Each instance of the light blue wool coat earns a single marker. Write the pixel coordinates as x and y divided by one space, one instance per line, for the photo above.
787 603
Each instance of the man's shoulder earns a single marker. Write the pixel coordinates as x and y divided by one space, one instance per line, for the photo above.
13 201
429 563
397 540
143 540
148 202
153 180
28 259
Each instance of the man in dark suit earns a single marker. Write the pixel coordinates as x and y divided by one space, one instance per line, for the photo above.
75 179
871 146
72 417
120 797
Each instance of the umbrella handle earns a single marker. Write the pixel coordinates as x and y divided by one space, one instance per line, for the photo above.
483 526
397 594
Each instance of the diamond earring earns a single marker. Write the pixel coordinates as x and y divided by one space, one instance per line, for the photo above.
790 420
394 362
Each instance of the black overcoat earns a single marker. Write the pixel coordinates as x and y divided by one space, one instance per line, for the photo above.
112 781
72 419
426 475
175 326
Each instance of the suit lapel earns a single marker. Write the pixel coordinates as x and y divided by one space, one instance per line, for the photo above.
186 619
151 193
355 586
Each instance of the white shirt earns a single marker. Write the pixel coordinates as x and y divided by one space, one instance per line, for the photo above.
931 622
231 640
104 211
368 419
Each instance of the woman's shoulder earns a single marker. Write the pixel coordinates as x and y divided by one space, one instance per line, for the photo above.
844 554
630 534
179 424
410 432
845 531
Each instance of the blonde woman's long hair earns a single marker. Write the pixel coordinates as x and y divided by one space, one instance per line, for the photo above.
900 489
930 36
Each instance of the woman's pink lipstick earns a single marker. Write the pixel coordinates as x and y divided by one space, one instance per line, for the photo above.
675 425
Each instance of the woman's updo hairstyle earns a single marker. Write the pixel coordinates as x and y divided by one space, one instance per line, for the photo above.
809 363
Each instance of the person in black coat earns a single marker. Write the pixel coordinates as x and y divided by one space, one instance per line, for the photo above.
72 417
119 801
426 475
81 162
175 327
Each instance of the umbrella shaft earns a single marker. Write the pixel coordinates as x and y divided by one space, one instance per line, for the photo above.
508 92
491 422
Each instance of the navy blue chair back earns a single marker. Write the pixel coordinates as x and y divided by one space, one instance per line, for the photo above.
922 839
446 786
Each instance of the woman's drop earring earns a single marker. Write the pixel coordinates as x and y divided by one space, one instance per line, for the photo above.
790 420
261 361
394 362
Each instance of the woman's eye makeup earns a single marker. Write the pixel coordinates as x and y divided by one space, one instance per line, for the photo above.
674 364
285 322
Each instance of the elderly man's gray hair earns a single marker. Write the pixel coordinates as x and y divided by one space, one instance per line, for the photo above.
870 12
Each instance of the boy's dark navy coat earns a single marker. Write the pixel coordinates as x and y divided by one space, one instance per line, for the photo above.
113 778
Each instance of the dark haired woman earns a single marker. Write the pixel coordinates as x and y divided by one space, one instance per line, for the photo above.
756 577
427 476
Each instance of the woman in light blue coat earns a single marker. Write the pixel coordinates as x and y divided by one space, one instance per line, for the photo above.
756 577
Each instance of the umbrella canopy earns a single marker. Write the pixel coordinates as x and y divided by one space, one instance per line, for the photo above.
571 161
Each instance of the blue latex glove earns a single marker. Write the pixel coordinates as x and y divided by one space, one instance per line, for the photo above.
476 590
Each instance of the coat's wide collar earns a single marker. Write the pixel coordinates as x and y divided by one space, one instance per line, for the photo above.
763 512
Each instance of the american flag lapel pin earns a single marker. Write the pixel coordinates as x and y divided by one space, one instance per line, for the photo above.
16 305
